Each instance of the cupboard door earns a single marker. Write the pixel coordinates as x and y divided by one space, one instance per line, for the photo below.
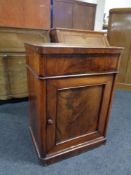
62 14
77 110
84 16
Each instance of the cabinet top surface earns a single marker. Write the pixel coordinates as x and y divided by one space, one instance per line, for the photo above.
60 48
120 10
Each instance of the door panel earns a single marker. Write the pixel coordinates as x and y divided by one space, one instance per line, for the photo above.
77 110
84 16
62 15
73 111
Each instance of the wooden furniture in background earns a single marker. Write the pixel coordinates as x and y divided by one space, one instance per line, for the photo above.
13 78
44 14
70 92
73 14
27 13
119 34
79 37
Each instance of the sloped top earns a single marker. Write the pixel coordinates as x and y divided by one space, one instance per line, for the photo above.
75 36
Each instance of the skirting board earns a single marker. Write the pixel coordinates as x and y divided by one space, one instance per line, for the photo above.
123 86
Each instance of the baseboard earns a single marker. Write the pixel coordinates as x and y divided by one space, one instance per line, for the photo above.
123 86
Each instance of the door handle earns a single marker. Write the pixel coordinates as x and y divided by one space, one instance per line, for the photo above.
49 121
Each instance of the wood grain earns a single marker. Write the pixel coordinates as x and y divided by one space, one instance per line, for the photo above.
76 112
13 76
79 37
119 35
69 115
73 14
25 13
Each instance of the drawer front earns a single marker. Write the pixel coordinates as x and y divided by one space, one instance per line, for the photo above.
77 110
80 64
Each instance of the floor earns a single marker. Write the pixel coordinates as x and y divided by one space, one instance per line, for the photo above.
18 157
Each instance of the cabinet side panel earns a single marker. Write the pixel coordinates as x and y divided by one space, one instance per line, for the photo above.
119 35
37 101
128 73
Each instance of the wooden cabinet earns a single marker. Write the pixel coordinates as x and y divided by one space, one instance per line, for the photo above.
73 14
119 34
13 76
44 14
70 92
27 13
79 37
84 15
62 15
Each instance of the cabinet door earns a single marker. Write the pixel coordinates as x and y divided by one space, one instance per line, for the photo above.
77 110
84 15
62 14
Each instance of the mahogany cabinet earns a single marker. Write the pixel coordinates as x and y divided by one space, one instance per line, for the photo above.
119 34
70 92
76 14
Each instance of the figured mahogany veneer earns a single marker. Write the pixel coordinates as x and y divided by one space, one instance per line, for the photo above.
70 92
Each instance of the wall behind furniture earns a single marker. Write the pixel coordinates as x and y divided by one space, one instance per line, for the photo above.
99 15
25 13
109 4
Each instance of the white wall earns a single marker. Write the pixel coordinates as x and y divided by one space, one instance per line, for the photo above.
99 14
116 4
103 6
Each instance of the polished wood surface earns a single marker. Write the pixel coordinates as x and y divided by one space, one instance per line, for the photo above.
44 14
77 119
73 107
79 37
27 13
84 15
73 14
69 109
13 77
119 34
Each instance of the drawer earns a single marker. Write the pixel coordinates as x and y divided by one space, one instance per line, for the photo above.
58 65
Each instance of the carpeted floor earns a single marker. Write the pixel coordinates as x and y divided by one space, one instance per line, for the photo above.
18 157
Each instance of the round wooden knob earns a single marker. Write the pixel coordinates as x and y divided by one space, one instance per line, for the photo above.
50 121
